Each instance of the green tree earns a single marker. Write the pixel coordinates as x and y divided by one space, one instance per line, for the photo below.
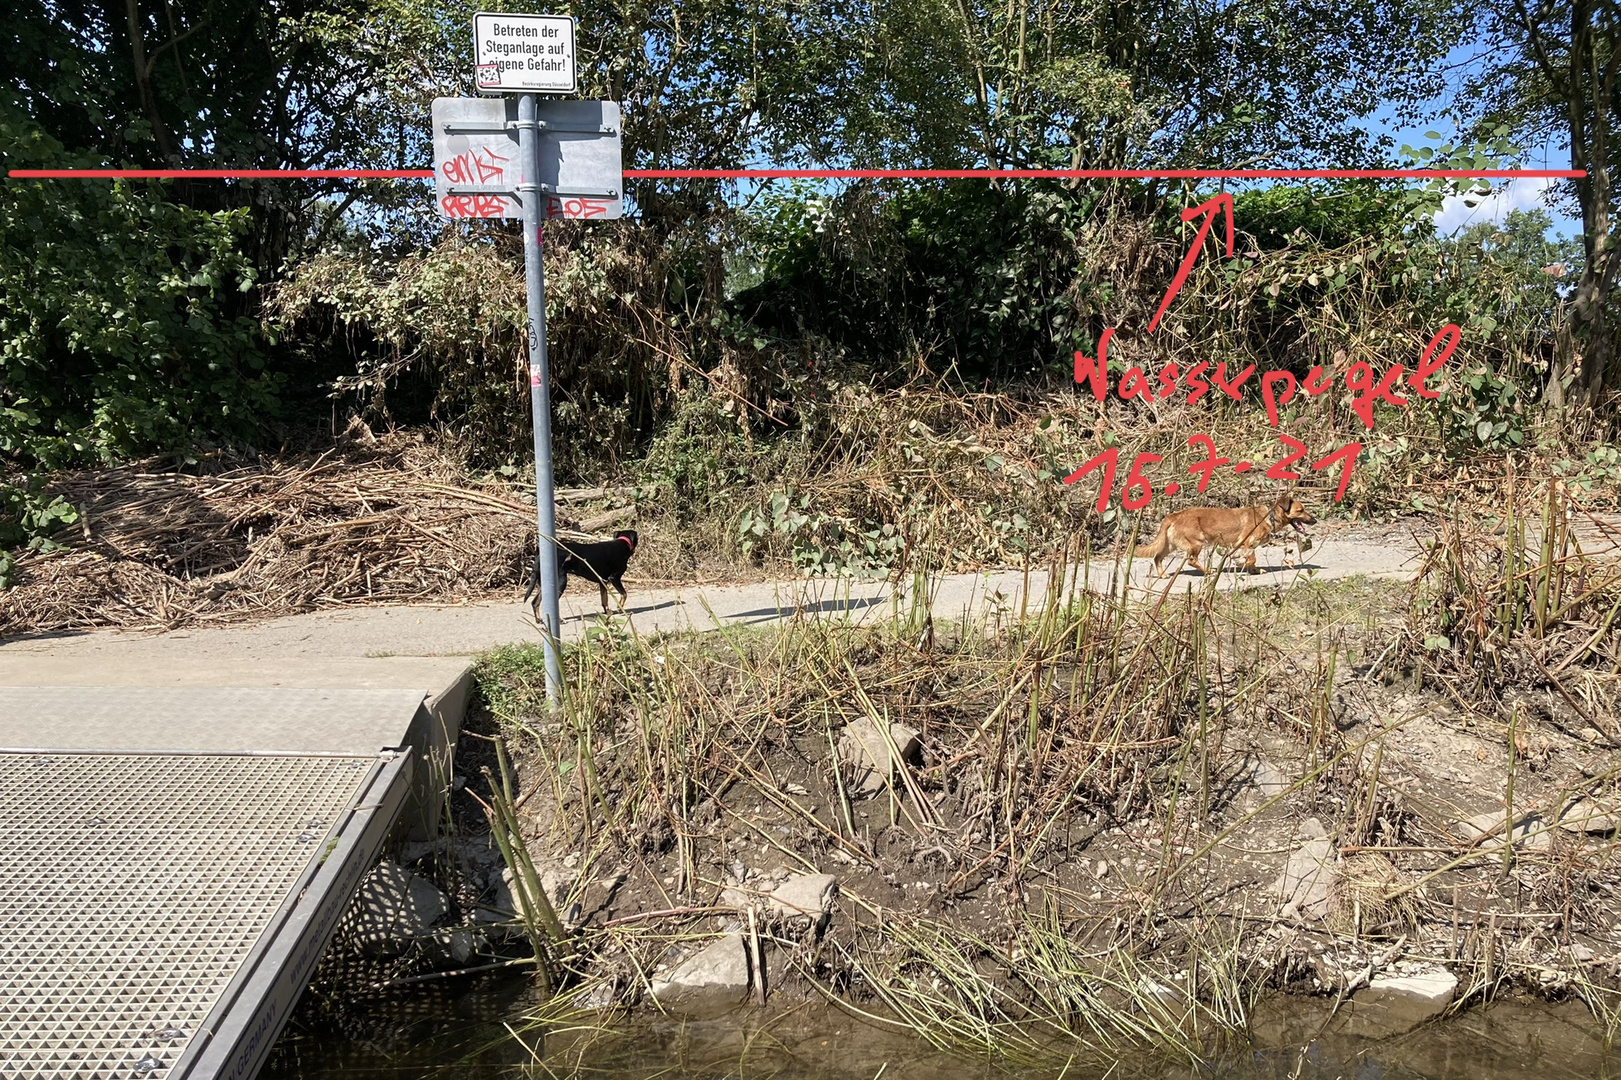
1551 73
119 325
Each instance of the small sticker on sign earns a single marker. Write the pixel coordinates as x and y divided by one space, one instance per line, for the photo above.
489 74
534 374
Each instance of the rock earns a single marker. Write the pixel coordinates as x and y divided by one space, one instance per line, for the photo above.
479 853
1101 870
558 881
1149 989
451 947
411 852
1487 831
1394 1004
1582 954
711 982
863 748
1591 816
1312 829
1308 879
394 907
599 997
502 906
806 899
739 898
1268 780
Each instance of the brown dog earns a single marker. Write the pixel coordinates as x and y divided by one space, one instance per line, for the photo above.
1246 529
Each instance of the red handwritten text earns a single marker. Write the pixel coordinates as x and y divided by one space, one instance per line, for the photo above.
1136 492
576 208
1277 387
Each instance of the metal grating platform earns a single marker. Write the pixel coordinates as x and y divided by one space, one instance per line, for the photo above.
159 912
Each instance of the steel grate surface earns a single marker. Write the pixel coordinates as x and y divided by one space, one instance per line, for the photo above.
132 888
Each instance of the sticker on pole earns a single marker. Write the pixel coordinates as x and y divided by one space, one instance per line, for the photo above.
524 54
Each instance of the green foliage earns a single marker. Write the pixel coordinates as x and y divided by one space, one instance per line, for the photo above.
822 544
450 324
1325 217
121 329
453 314
698 454
28 516
1547 72
1599 470
992 278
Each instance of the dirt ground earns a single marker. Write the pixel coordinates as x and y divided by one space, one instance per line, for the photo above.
1190 857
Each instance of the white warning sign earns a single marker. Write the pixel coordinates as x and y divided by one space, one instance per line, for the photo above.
524 54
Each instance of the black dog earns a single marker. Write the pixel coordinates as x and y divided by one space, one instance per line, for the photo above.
603 562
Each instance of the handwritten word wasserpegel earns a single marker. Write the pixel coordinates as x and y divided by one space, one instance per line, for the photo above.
1278 387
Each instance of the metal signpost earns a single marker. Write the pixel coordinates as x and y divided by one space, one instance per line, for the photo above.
535 160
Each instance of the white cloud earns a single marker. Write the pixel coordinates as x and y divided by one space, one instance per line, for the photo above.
1524 194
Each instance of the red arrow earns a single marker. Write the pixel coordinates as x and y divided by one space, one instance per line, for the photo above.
1210 209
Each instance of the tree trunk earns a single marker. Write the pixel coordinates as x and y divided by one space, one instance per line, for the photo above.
1591 106
143 82
1585 79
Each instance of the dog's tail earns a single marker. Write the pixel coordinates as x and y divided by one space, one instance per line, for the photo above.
1158 546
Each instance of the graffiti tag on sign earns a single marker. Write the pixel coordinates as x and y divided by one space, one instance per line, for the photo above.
478 206
481 165
561 207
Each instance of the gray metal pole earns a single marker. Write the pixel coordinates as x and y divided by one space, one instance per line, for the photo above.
540 397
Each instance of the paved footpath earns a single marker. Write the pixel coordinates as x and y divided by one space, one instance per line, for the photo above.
378 647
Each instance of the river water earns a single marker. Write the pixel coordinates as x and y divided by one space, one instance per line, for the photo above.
479 1032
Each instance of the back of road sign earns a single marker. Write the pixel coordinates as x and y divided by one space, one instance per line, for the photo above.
477 168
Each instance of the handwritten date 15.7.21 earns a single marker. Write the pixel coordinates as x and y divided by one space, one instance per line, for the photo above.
1136 492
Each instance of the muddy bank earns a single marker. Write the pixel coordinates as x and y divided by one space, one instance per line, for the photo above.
1095 828
1105 827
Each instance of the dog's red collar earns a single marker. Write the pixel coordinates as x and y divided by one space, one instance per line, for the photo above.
628 543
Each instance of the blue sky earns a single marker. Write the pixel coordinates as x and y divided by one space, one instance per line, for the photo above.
1506 196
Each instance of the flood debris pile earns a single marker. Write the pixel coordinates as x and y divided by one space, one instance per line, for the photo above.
369 520
1104 825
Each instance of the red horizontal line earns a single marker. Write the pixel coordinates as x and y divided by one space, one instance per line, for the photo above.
836 174
226 174
1105 174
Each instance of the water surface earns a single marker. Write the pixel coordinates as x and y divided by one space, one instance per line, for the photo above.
464 1035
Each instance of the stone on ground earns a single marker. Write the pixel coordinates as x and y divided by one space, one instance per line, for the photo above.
1267 779
712 981
451 947
1307 881
1394 1004
863 749
1486 829
806 898
1591 816
395 907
